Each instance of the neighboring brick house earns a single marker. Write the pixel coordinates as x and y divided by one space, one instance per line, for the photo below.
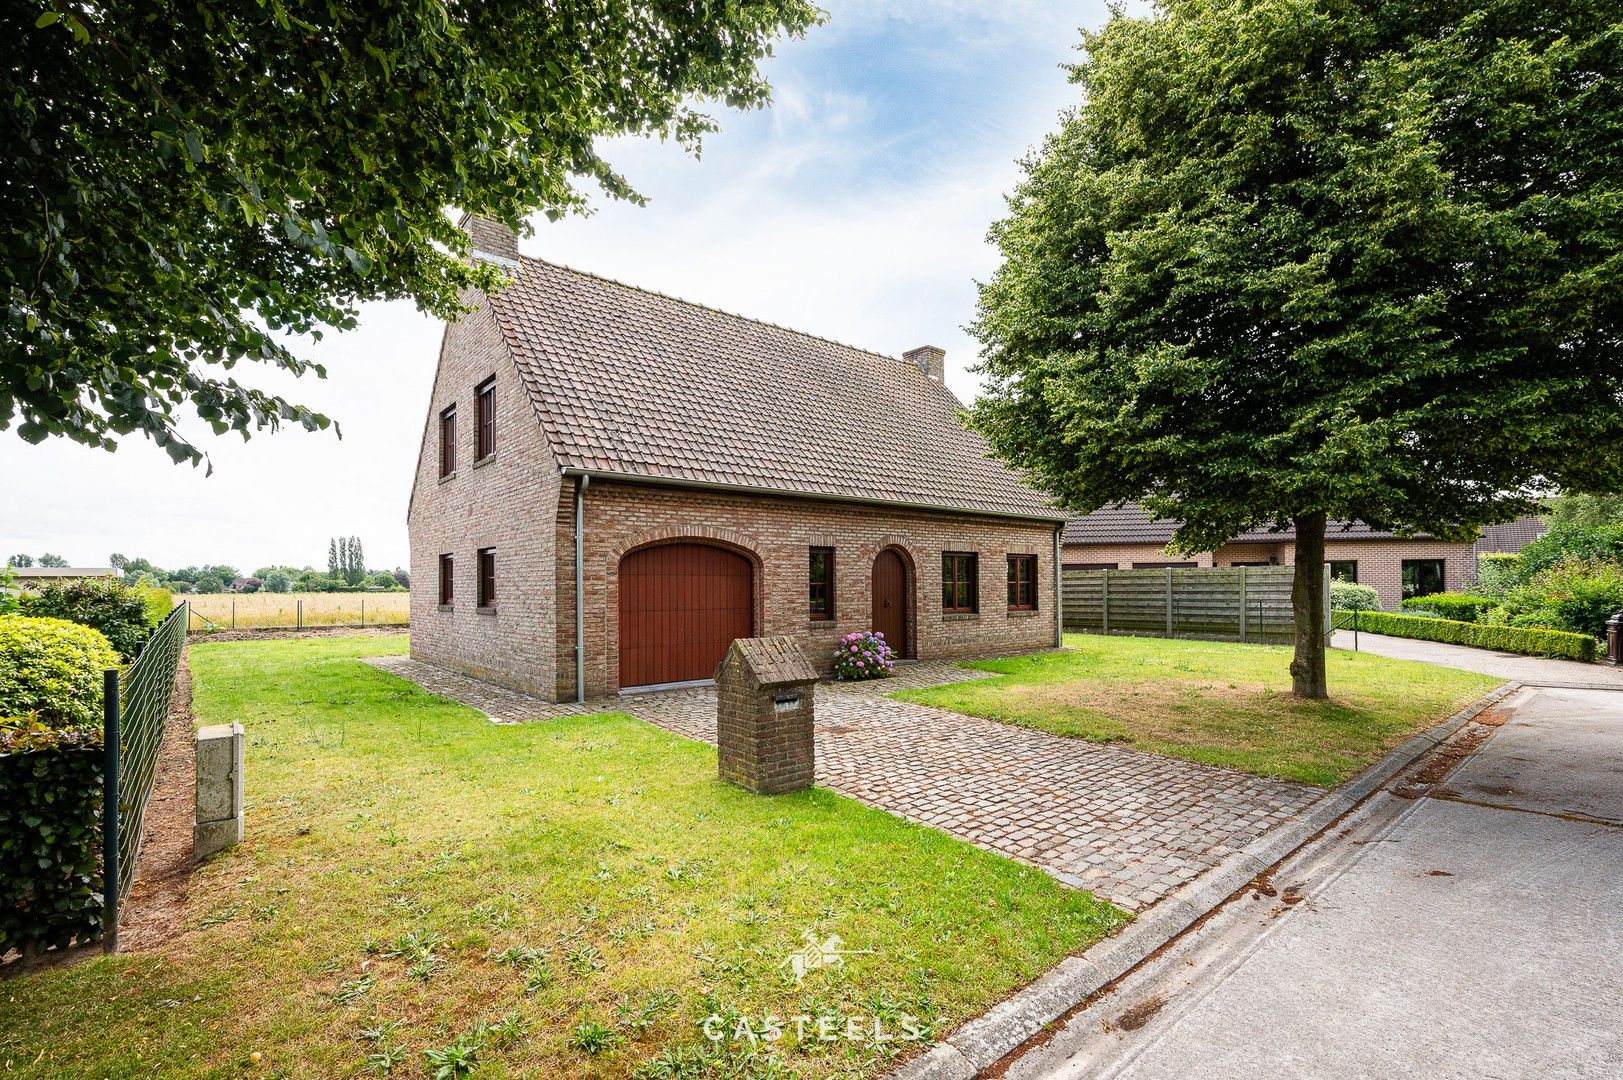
668 477
1123 537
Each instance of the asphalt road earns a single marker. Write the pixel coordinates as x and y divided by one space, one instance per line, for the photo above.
1463 923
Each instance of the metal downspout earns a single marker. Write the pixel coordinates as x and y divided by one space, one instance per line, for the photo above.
580 586
1059 591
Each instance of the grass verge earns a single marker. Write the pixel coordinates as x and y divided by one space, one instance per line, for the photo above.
425 893
1216 702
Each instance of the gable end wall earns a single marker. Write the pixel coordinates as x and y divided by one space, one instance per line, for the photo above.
506 502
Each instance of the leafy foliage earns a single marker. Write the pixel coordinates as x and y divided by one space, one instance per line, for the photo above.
278 582
52 669
1575 595
1351 596
125 614
1556 643
20 561
48 559
1358 262
50 833
1565 543
1585 511
184 191
1460 607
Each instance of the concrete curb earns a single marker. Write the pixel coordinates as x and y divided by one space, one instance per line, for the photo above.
990 1037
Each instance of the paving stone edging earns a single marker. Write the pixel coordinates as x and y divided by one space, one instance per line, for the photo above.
980 1042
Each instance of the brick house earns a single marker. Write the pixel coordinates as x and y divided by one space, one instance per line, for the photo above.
1125 537
654 478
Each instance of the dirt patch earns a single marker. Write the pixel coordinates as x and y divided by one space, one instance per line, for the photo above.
155 910
1140 1014
1434 769
272 633
1438 873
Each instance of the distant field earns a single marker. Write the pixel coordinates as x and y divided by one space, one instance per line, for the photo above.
216 611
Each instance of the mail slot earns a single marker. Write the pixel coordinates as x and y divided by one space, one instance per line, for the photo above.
764 707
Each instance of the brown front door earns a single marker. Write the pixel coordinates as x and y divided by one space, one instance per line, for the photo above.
890 600
681 605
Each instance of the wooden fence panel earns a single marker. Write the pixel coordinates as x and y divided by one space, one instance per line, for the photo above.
1215 603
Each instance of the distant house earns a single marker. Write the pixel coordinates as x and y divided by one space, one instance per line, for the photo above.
35 577
1125 537
614 484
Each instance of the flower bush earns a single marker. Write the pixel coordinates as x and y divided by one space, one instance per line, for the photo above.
863 655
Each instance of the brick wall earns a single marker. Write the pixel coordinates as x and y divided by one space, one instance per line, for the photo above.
506 503
1380 562
775 534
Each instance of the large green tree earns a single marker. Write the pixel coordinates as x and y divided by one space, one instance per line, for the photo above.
1299 260
186 184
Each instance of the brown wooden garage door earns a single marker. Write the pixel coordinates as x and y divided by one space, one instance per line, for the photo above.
681 605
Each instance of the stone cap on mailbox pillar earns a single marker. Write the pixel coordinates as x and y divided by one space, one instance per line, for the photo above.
767 662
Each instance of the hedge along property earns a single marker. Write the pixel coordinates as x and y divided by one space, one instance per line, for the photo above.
653 478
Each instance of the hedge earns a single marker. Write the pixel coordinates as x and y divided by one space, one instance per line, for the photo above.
1512 639
52 668
50 835
126 614
1461 607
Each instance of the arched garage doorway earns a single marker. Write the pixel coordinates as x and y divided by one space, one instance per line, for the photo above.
681 605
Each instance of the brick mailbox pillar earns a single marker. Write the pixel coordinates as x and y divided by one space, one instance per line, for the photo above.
764 715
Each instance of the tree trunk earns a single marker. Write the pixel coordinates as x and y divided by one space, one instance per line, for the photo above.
1307 605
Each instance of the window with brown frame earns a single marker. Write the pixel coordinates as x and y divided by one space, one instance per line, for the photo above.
447 580
448 441
1022 583
487 577
958 579
485 442
820 594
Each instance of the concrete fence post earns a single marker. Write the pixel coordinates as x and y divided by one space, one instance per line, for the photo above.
219 790
1104 603
1169 602
1242 604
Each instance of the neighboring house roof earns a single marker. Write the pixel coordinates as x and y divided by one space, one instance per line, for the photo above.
1129 524
25 573
645 386
1512 536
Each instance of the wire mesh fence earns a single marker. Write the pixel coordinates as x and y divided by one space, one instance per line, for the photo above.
144 689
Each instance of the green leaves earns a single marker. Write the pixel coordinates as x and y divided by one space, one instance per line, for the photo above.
188 193
1357 259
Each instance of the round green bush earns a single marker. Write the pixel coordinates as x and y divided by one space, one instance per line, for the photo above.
1351 596
52 668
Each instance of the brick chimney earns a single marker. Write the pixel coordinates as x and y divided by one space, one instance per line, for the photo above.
492 240
931 360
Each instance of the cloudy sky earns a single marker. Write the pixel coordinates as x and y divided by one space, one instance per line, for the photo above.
856 207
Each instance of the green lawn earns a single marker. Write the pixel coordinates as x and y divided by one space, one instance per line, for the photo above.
1215 702
413 872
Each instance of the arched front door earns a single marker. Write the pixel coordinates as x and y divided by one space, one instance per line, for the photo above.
681 605
890 599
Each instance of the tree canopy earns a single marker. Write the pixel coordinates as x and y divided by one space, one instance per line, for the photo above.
186 185
1293 260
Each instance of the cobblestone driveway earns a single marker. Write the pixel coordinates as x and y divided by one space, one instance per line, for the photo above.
1127 825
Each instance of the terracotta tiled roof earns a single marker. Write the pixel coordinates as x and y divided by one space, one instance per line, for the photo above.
1129 524
644 385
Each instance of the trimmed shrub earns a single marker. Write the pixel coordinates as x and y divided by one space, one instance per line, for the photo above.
50 835
1461 607
1512 639
863 655
1351 596
123 613
1575 595
52 669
